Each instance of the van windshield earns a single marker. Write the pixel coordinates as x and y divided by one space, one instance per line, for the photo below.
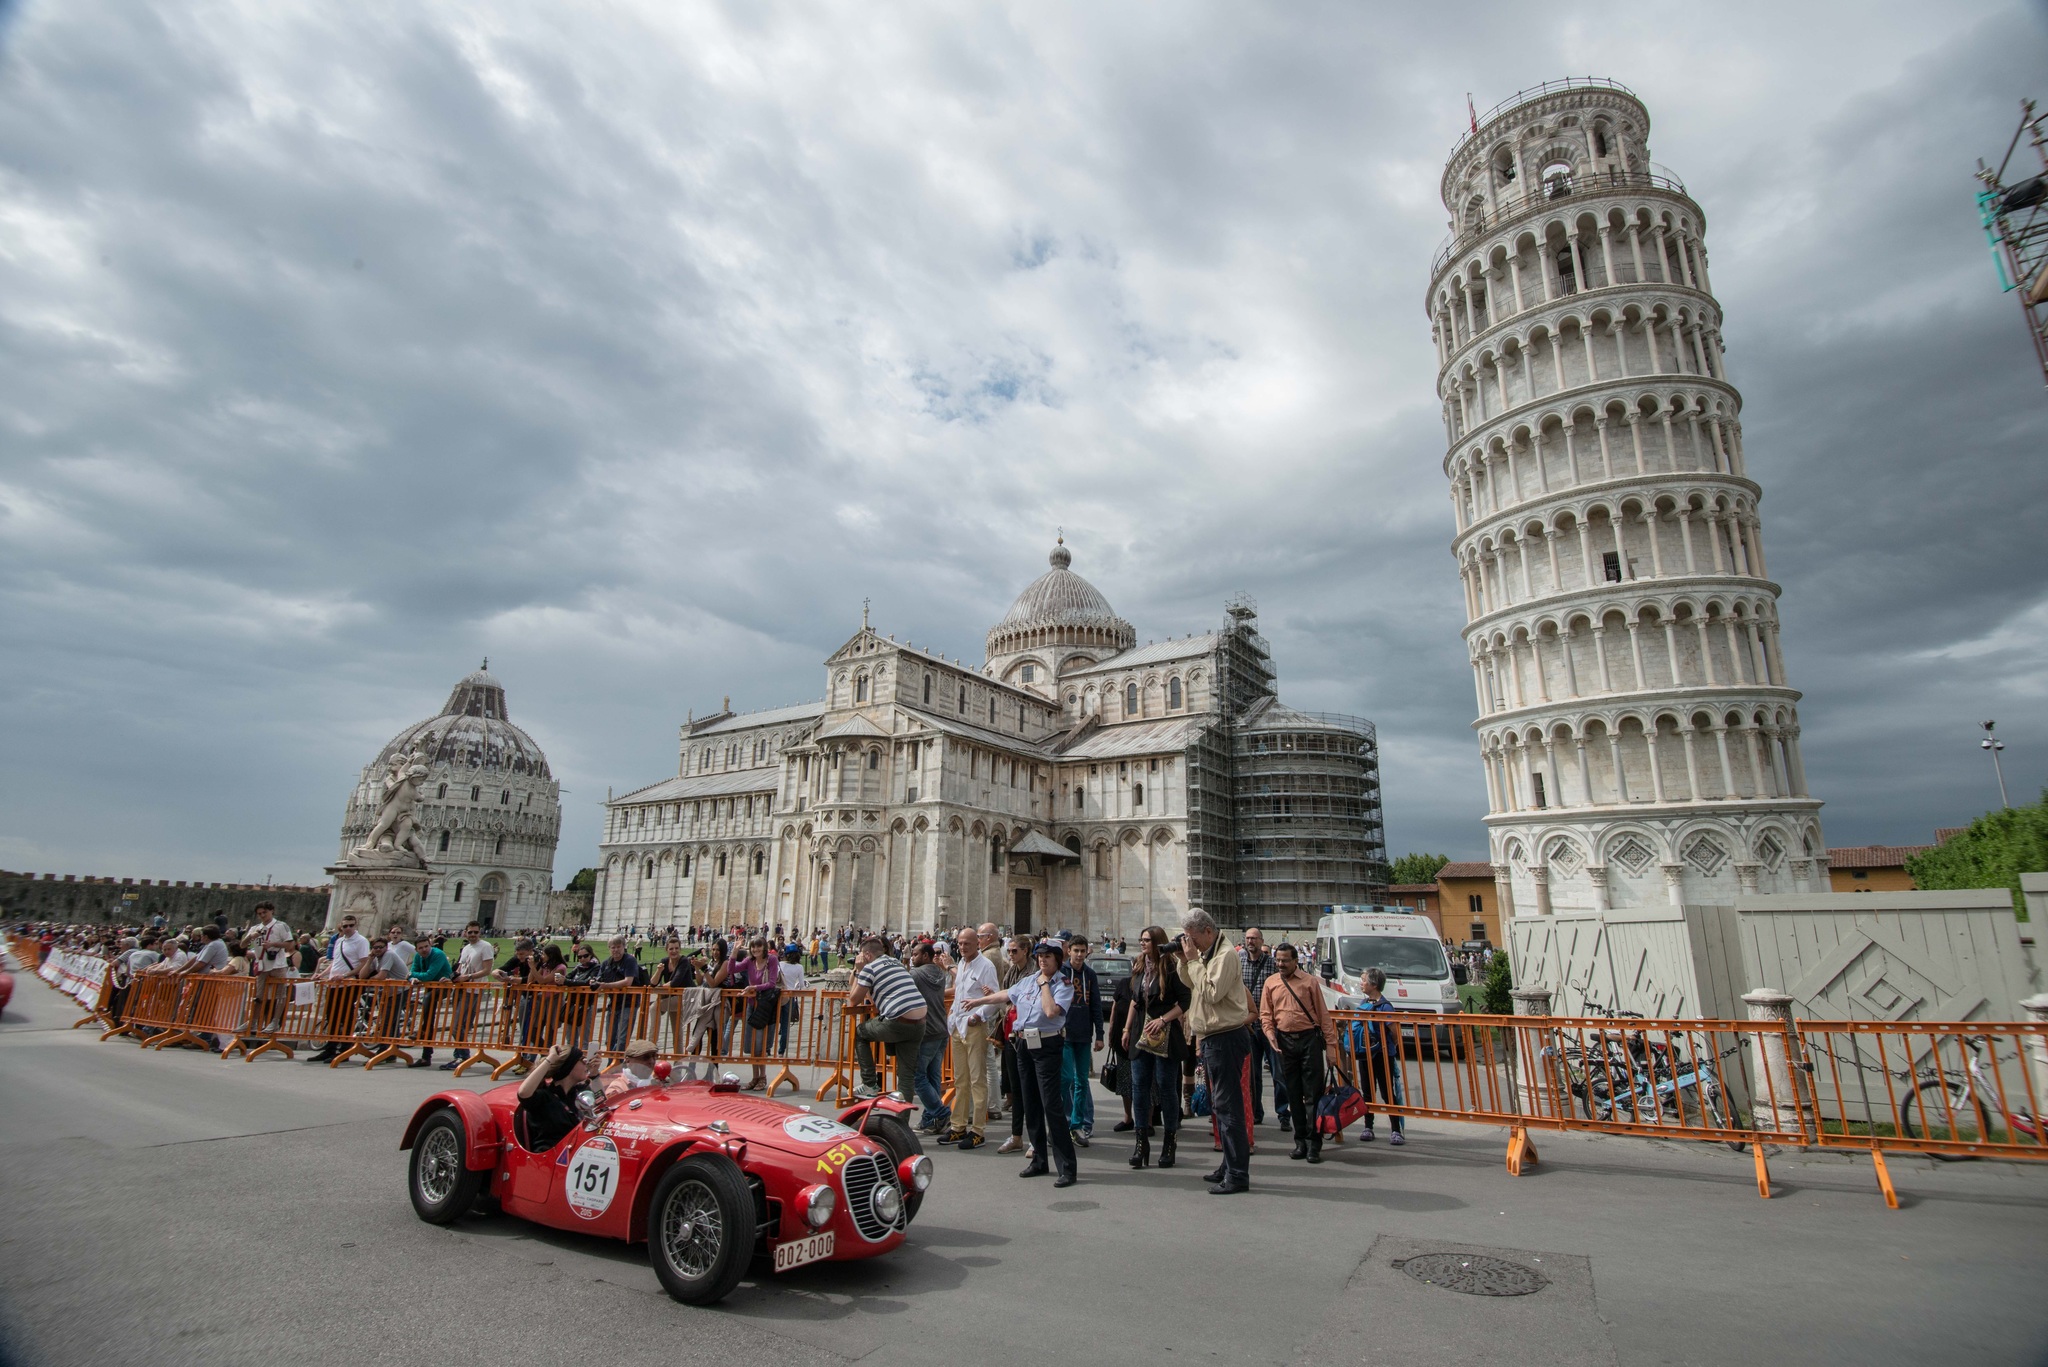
1398 956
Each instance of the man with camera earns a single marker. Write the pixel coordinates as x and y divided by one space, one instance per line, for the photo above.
1218 1016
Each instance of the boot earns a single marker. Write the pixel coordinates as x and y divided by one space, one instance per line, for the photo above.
1315 1149
1166 1149
1141 1156
1300 1149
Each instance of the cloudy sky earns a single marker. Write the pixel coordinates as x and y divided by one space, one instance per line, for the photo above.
634 344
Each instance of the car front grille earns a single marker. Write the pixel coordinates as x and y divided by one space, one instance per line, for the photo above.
859 1178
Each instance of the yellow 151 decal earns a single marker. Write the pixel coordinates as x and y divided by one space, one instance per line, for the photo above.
835 1159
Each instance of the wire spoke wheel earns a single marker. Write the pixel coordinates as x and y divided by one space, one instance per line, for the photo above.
692 1230
440 1164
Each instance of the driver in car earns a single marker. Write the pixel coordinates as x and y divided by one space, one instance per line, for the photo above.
547 1096
636 1068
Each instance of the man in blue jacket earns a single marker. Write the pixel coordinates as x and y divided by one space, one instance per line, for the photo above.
1085 1018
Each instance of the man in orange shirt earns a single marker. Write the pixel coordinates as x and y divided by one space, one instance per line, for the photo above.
1297 1025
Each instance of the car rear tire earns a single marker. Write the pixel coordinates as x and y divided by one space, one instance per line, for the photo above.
896 1137
442 1184
700 1228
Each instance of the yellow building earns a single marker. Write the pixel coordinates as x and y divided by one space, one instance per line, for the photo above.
1872 868
1470 904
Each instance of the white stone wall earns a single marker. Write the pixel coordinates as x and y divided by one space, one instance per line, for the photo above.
1636 723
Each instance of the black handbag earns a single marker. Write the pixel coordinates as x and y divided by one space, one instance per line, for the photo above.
1113 1073
761 1007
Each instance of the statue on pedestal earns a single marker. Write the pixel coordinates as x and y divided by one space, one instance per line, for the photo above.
394 834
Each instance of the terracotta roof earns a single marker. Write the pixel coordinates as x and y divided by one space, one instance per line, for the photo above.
1873 856
1465 871
1418 887
1944 834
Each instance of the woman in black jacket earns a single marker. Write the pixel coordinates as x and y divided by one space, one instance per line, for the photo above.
1119 1021
1155 1043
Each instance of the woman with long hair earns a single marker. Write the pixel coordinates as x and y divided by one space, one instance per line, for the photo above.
1155 1044
759 974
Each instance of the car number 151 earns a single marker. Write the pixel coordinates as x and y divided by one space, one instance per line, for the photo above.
836 1158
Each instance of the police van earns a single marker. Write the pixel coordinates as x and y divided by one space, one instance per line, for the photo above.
1402 944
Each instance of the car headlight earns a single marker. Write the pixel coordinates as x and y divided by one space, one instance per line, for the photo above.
888 1203
915 1173
818 1203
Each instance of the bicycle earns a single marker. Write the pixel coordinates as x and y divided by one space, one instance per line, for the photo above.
1963 1096
1628 1076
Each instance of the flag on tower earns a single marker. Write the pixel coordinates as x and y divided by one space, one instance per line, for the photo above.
1472 111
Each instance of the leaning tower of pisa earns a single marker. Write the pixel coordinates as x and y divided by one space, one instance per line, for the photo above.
1640 738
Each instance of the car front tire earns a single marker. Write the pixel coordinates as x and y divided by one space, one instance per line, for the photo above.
441 1182
700 1228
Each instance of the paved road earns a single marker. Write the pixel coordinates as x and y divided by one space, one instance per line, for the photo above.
167 1209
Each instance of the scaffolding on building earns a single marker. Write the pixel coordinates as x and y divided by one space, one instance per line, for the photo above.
2014 208
1284 814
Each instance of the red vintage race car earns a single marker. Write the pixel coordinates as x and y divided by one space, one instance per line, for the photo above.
707 1176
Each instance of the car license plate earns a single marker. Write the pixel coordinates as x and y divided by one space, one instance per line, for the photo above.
797 1252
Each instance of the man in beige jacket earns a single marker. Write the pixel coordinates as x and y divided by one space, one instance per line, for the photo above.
1219 1016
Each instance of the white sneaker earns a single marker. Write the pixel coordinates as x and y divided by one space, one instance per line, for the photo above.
863 1092
1082 1137
1011 1145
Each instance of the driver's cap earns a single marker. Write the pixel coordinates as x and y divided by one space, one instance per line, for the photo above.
641 1048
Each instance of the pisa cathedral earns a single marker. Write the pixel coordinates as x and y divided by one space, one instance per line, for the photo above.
1639 734
1076 779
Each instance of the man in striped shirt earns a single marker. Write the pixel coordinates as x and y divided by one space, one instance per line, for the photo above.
898 1021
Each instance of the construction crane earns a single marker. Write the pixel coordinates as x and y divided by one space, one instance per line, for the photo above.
2014 208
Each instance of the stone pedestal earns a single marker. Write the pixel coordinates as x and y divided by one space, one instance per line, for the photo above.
1777 1102
1532 1070
378 892
2036 1008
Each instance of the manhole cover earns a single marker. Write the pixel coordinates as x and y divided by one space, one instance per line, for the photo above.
1473 1273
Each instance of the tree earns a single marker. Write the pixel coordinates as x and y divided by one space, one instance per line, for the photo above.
584 881
1499 978
1418 868
1993 853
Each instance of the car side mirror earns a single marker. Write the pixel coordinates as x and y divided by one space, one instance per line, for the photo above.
587 1103
1330 971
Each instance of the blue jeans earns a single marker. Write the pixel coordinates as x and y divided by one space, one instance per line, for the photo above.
928 1078
1076 1075
1155 1079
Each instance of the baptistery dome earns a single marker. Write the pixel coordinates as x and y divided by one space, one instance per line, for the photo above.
1060 608
489 813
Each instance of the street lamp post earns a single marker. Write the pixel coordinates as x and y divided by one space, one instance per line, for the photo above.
1994 745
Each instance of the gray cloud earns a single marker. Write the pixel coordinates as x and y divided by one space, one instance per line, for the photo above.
635 347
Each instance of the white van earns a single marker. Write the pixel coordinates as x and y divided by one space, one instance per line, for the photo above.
1401 943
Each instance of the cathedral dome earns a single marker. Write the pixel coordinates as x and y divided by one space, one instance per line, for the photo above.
472 729
1060 608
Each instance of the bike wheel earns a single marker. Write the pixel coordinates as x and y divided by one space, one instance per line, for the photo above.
1943 1109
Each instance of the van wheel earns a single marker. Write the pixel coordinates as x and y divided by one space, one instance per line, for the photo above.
442 1183
700 1228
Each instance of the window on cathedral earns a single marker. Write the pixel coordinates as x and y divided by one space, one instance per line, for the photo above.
1137 794
1536 785
648 872
1020 716
1130 700
1173 693
760 862
500 849
963 700
1610 566
927 690
458 892
1030 673
476 793
643 817
442 791
505 798
721 865
1080 800
874 759
686 866
991 711
860 689
444 842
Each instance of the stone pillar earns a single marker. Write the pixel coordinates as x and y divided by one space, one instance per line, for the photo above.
1777 1104
1674 883
1504 890
1541 876
1533 1093
1746 876
1597 875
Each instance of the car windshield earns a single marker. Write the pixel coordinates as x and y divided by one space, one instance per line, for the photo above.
1397 956
1111 966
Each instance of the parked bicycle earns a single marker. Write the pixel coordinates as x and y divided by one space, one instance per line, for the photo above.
1945 1104
1626 1075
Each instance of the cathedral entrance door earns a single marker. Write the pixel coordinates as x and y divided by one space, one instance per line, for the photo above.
1022 914
487 913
